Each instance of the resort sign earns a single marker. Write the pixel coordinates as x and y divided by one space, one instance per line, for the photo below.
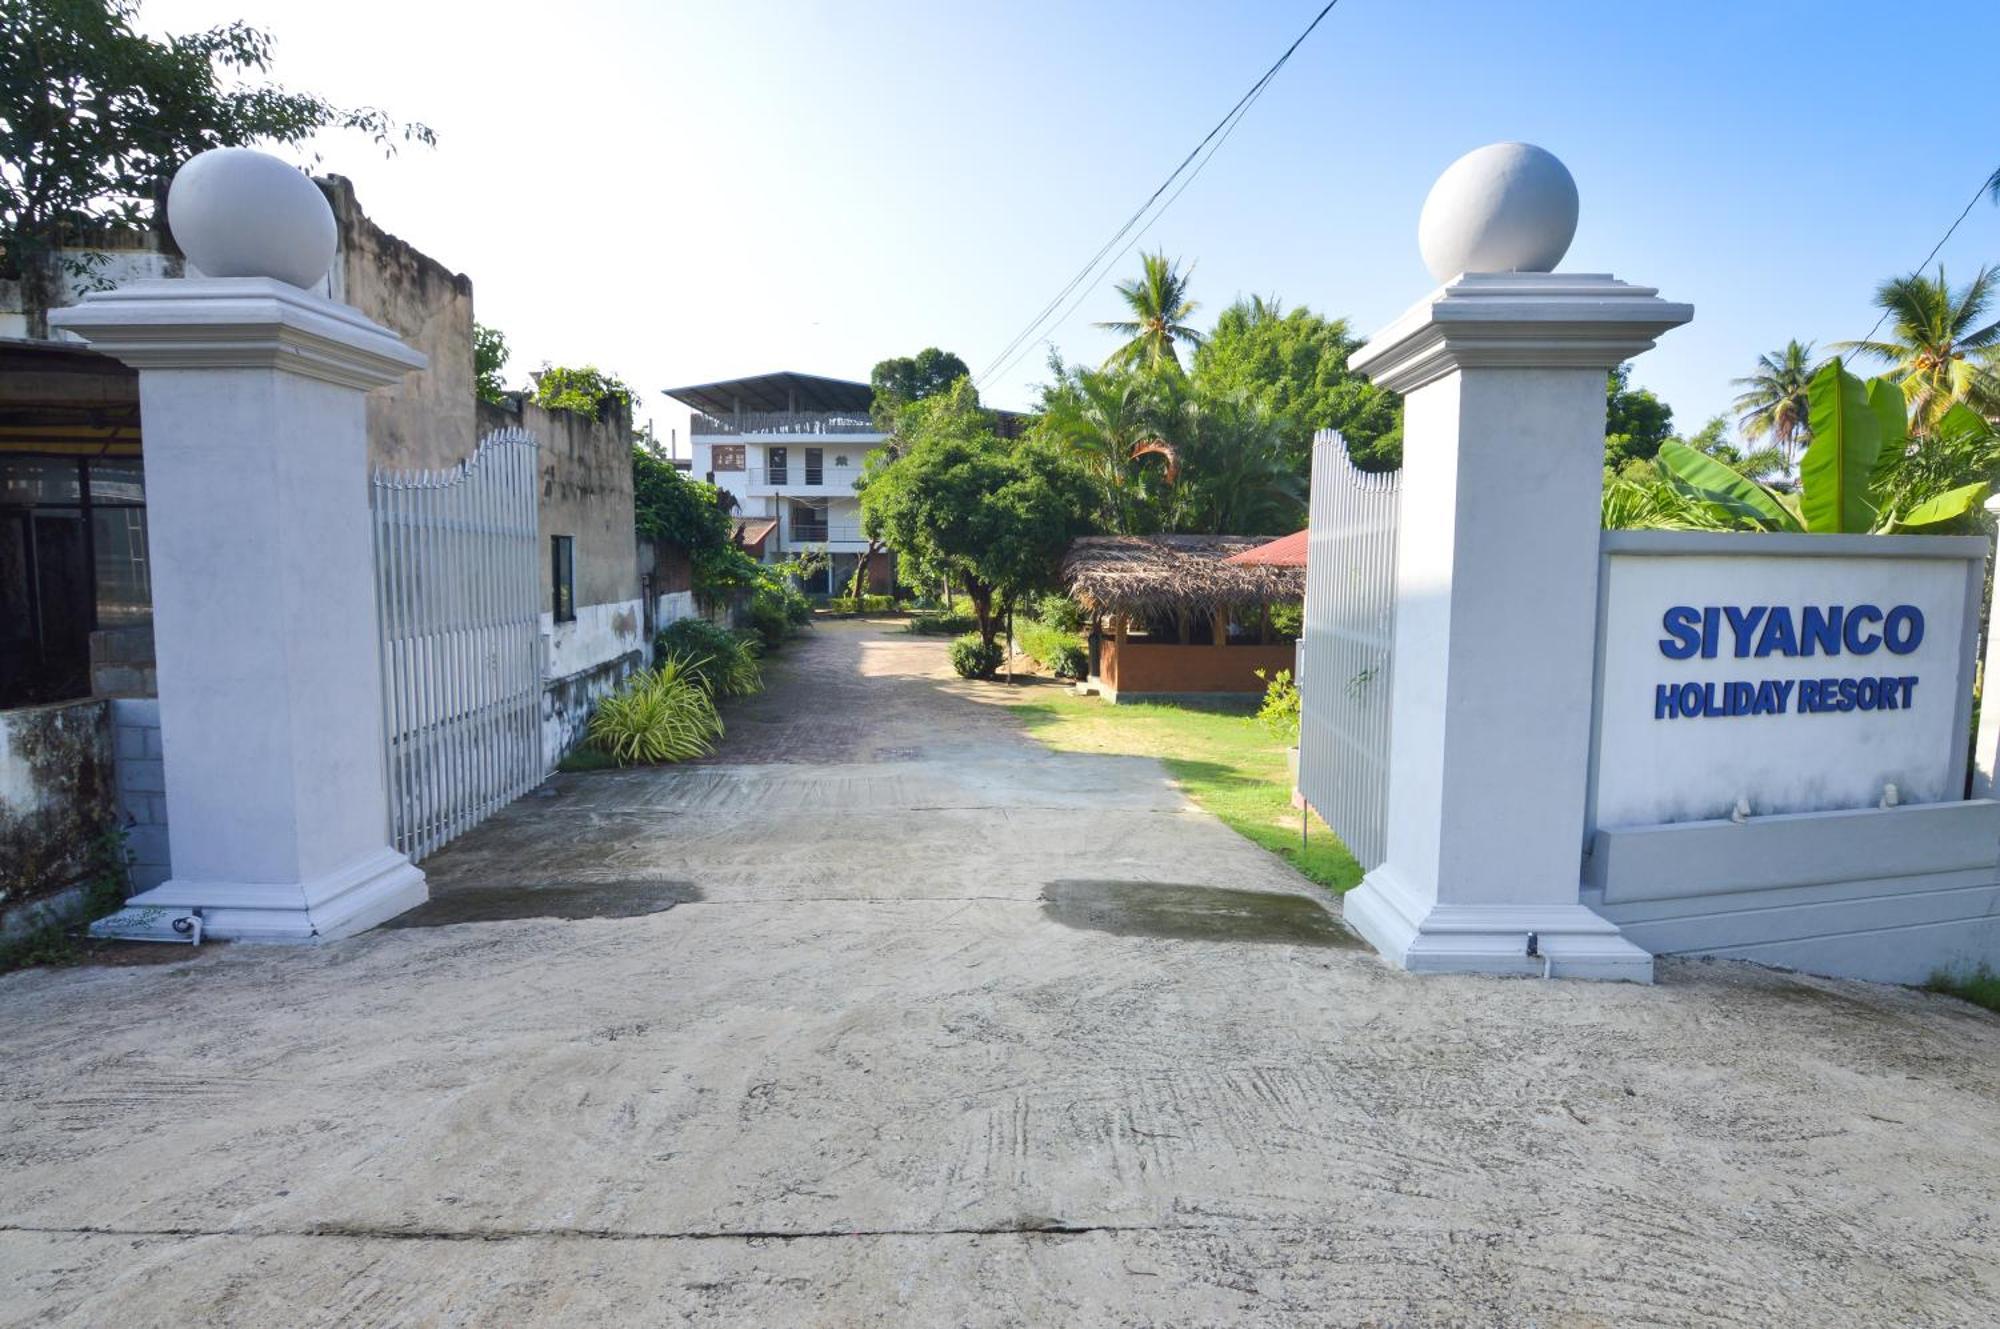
1761 631
1781 673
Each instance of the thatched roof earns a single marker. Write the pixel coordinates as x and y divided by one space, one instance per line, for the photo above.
1142 574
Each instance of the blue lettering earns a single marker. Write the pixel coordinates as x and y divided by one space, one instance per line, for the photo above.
1711 621
1866 693
1851 636
1778 635
1903 630
1663 702
1820 628
1909 686
1690 699
1682 639
1783 687
1847 690
1743 622
1808 695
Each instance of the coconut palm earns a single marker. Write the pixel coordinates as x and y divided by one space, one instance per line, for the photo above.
1160 307
1105 418
1773 402
1941 351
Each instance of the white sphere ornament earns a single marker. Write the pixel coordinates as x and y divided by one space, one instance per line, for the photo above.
1506 207
236 212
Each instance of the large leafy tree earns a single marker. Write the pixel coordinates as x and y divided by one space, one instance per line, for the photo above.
94 114
1108 420
903 379
1159 327
489 363
991 514
1941 351
1636 422
1293 364
1773 403
689 514
587 390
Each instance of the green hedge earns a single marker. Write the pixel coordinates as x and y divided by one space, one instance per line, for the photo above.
940 623
867 604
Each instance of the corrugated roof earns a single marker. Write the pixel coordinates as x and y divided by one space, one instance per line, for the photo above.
786 390
1287 551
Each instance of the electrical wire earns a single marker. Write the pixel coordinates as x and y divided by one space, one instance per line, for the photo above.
1212 141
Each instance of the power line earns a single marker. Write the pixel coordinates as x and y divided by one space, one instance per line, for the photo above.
1990 185
1222 128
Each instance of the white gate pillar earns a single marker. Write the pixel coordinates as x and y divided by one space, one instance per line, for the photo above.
251 395
1503 370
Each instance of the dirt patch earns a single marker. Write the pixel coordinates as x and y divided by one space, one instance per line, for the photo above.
1183 912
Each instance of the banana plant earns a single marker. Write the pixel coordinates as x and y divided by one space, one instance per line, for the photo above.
1860 437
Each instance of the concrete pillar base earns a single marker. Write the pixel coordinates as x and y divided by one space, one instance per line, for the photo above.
337 904
1492 938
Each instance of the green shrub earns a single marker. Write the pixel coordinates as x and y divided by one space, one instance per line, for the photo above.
768 617
1288 620
941 623
724 661
662 714
867 604
1059 612
1280 711
973 658
1060 652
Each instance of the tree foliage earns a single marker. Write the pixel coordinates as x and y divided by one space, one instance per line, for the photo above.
1773 402
1293 365
691 515
904 379
994 516
489 362
1861 474
93 114
587 391
1941 352
1636 422
1159 327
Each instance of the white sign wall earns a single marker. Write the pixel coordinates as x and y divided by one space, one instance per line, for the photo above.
1798 673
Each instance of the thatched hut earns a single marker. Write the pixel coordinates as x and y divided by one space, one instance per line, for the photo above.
1173 615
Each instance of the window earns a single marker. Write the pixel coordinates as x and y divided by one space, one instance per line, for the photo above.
815 466
779 464
562 554
727 456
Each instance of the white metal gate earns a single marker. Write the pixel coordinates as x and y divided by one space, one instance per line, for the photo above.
1345 656
458 589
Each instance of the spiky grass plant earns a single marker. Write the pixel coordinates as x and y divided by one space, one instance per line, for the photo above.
660 715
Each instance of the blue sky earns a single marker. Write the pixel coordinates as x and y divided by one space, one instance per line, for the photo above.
684 192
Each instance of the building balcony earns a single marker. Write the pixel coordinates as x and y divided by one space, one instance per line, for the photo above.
784 424
833 534
807 482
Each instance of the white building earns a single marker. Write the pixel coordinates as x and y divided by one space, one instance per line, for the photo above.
789 446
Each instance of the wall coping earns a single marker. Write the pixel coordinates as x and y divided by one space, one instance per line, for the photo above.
1793 544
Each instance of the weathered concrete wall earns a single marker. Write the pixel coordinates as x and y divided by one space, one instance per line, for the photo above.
586 494
586 466
57 804
142 799
425 421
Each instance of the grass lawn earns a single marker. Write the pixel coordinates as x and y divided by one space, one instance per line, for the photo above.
1221 755
1981 988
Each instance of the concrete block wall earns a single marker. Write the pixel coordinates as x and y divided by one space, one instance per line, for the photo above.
142 799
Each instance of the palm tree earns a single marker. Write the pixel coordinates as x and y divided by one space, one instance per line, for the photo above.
1774 399
1160 309
1939 354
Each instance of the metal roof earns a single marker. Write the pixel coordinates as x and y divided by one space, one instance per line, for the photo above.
783 391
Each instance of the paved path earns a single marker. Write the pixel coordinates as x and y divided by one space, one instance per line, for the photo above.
891 1017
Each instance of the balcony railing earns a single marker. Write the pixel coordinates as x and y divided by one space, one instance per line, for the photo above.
815 477
819 533
785 422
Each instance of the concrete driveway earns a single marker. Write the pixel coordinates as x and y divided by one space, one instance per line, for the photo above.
890 1016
